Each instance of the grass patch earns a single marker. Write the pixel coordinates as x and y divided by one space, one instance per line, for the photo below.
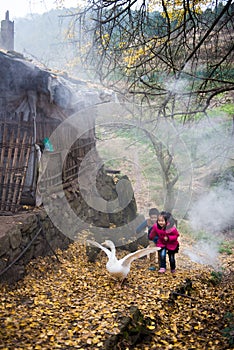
216 277
186 229
226 248
228 331
228 108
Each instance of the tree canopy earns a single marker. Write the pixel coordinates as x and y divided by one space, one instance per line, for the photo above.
175 55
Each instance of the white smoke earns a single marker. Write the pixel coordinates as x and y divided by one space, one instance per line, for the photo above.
204 252
209 216
214 212
176 86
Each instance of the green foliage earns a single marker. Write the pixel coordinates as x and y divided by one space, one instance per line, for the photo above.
228 331
226 247
223 178
133 134
202 236
224 112
184 227
216 277
228 108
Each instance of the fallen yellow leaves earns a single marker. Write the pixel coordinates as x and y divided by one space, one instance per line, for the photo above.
76 305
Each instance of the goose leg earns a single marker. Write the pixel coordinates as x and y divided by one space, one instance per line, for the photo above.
122 282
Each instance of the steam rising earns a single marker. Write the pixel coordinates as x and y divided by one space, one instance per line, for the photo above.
204 253
214 212
209 216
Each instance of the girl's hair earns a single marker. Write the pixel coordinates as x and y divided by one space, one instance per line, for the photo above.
164 214
171 221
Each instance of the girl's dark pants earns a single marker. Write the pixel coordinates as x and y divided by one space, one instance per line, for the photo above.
171 255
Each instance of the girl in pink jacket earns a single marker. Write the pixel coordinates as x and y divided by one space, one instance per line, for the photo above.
167 241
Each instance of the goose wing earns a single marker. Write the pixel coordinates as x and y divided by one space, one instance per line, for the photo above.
96 244
128 259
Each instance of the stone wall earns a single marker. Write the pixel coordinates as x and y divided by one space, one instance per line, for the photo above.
23 238
20 235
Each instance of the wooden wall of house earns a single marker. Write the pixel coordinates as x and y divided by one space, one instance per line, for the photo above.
18 157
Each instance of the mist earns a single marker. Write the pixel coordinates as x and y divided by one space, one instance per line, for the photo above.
214 212
208 141
205 253
209 217
45 40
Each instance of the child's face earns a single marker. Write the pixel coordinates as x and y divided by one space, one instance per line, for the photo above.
161 221
153 218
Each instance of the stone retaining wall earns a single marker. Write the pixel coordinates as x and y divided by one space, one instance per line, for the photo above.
23 228
14 240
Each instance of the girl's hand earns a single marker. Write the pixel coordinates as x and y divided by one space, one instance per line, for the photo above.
165 238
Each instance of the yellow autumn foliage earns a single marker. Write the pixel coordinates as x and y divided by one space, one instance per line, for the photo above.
75 304
176 9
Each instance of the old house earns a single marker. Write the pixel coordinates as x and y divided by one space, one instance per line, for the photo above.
33 103
47 130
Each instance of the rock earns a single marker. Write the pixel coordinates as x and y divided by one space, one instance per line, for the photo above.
14 274
143 241
133 331
30 224
15 237
92 253
14 255
4 244
39 250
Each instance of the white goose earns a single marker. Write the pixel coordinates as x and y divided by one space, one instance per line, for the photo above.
121 268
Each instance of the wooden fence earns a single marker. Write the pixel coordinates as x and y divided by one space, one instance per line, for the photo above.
17 139
15 148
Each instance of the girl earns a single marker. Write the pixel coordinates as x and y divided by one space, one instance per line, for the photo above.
167 240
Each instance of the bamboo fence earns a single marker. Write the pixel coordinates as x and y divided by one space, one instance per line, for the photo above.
17 145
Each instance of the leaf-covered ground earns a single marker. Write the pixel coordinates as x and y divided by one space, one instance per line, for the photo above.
77 305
